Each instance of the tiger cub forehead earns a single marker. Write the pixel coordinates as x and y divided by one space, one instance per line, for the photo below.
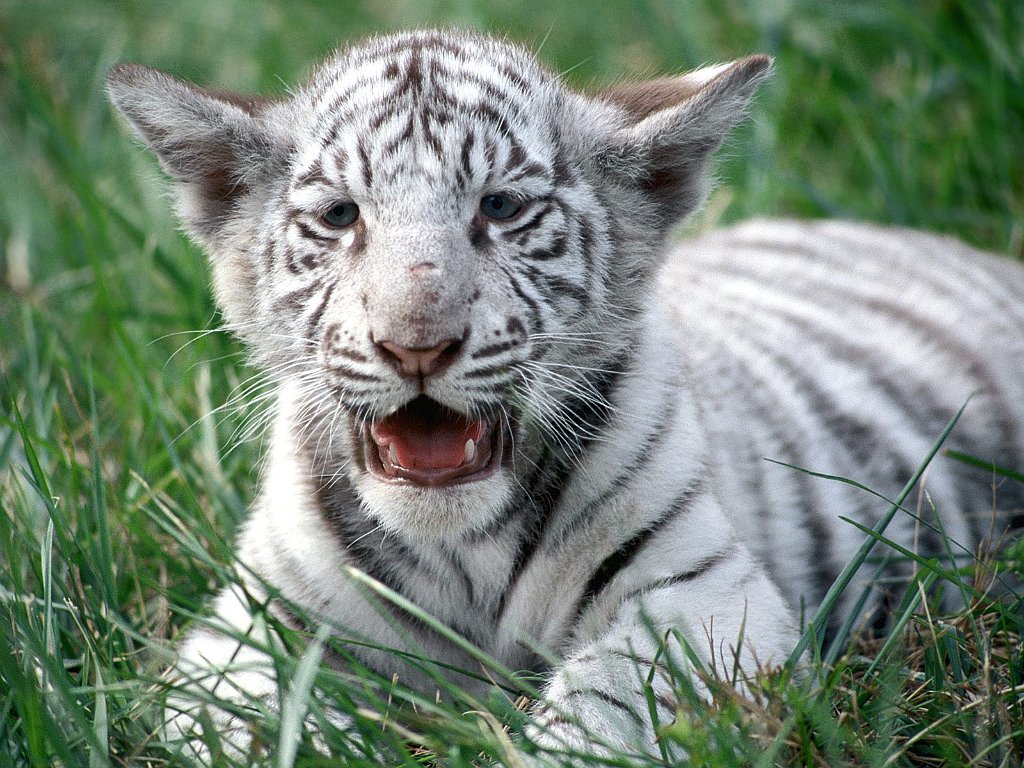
451 108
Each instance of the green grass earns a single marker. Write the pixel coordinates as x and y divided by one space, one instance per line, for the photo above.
120 497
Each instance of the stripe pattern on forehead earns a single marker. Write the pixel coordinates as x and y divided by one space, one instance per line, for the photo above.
394 89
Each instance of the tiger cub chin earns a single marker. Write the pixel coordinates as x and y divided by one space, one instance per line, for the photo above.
507 394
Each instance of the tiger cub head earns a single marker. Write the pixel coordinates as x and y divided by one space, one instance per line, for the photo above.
442 251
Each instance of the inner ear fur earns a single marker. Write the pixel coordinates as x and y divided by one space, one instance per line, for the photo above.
643 99
213 142
670 127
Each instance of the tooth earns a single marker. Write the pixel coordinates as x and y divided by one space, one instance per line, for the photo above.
470 451
393 455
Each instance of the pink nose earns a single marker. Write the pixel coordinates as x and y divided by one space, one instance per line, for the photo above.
420 361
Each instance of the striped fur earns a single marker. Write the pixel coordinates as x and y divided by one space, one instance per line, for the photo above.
632 389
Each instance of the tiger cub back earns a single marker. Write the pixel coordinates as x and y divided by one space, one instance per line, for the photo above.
507 397
870 340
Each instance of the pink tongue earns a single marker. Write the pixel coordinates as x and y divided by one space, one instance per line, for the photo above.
426 435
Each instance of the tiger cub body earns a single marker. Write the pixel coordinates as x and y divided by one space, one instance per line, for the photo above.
506 396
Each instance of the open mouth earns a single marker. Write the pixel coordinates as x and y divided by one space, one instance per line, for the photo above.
427 444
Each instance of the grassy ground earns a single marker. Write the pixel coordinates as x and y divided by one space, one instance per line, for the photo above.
118 499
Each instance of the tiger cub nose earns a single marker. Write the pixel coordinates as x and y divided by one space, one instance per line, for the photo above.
420 361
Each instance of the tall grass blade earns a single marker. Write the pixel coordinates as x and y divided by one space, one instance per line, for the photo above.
819 621
443 630
296 702
100 721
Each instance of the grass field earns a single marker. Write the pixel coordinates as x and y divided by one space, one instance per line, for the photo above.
120 493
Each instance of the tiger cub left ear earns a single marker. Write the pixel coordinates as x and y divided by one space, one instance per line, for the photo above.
213 144
671 126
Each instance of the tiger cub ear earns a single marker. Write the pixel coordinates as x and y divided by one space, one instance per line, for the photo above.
214 144
671 126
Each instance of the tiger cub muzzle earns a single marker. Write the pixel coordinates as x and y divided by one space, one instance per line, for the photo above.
425 443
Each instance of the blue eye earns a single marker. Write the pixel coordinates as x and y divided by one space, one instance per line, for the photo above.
500 207
340 215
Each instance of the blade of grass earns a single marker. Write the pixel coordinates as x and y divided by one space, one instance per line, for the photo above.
46 557
915 594
975 462
442 629
820 619
296 702
100 721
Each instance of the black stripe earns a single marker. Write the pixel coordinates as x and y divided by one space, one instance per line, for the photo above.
942 335
556 287
488 372
563 174
466 154
535 218
382 557
538 505
591 413
484 110
491 91
352 374
373 553
267 260
335 347
313 175
522 83
314 319
437 116
353 85
295 300
495 388
698 570
608 699
638 661
554 251
587 244
516 155
341 112
861 439
364 162
868 446
819 531
413 76
534 320
652 441
308 232
494 349
622 557
531 170
479 238
391 148
291 260
432 139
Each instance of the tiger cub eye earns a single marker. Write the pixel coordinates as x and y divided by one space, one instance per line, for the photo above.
340 215
500 207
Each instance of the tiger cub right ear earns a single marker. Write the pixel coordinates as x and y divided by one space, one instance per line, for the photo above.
671 126
214 144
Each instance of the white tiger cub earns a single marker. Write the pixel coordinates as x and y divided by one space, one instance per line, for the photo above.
505 395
